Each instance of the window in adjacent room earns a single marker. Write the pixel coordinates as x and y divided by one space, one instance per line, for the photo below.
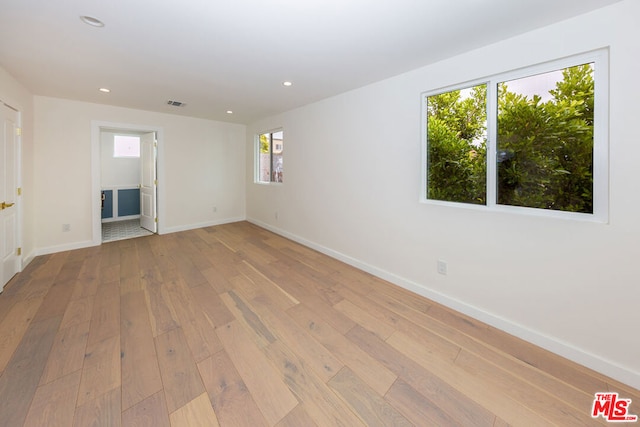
126 146
270 146
534 139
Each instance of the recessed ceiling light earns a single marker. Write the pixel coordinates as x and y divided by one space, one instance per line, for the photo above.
104 89
287 84
90 20
229 112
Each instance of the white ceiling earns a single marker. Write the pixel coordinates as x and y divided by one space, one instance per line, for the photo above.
234 55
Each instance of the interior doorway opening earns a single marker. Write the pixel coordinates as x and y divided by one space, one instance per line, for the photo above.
125 181
127 184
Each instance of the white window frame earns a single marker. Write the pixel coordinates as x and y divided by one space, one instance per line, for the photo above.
600 58
256 152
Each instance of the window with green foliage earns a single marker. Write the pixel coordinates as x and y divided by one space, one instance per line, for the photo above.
270 147
457 145
534 138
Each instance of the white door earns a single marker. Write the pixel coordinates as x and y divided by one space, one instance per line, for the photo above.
9 258
148 182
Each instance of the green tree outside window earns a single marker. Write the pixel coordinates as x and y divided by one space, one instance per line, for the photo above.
544 148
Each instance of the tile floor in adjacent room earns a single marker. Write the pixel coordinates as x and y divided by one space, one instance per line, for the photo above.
120 230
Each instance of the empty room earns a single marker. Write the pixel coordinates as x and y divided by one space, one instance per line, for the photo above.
319 213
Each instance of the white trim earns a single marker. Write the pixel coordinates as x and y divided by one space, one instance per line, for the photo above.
600 137
98 126
26 259
187 227
268 183
65 247
492 155
121 187
90 243
19 198
580 356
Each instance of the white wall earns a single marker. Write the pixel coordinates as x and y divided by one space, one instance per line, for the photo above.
352 178
203 164
117 171
16 95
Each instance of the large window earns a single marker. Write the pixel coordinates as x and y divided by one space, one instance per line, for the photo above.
535 139
269 153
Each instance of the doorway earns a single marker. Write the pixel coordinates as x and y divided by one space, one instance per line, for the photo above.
125 178
10 251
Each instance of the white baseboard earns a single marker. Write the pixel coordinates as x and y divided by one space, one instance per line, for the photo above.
547 342
90 243
65 247
187 227
26 260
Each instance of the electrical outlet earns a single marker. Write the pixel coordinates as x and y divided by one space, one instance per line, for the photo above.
276 215
215 209
442 267
66 228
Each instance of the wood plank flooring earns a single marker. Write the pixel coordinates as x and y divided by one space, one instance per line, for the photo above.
235 326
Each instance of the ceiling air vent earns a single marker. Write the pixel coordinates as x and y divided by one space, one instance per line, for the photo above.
176 103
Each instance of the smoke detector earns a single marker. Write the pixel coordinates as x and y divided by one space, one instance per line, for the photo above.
176 103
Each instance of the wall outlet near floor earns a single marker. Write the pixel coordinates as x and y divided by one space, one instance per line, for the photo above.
66 228
215 209
276 215
442 267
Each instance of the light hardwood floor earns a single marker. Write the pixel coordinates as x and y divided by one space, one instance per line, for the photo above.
235 326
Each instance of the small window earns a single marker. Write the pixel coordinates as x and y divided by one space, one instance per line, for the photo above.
533 138
269 154
126 146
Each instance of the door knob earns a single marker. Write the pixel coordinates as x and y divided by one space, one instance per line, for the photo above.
8 205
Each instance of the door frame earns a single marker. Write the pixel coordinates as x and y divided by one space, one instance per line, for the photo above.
96 128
